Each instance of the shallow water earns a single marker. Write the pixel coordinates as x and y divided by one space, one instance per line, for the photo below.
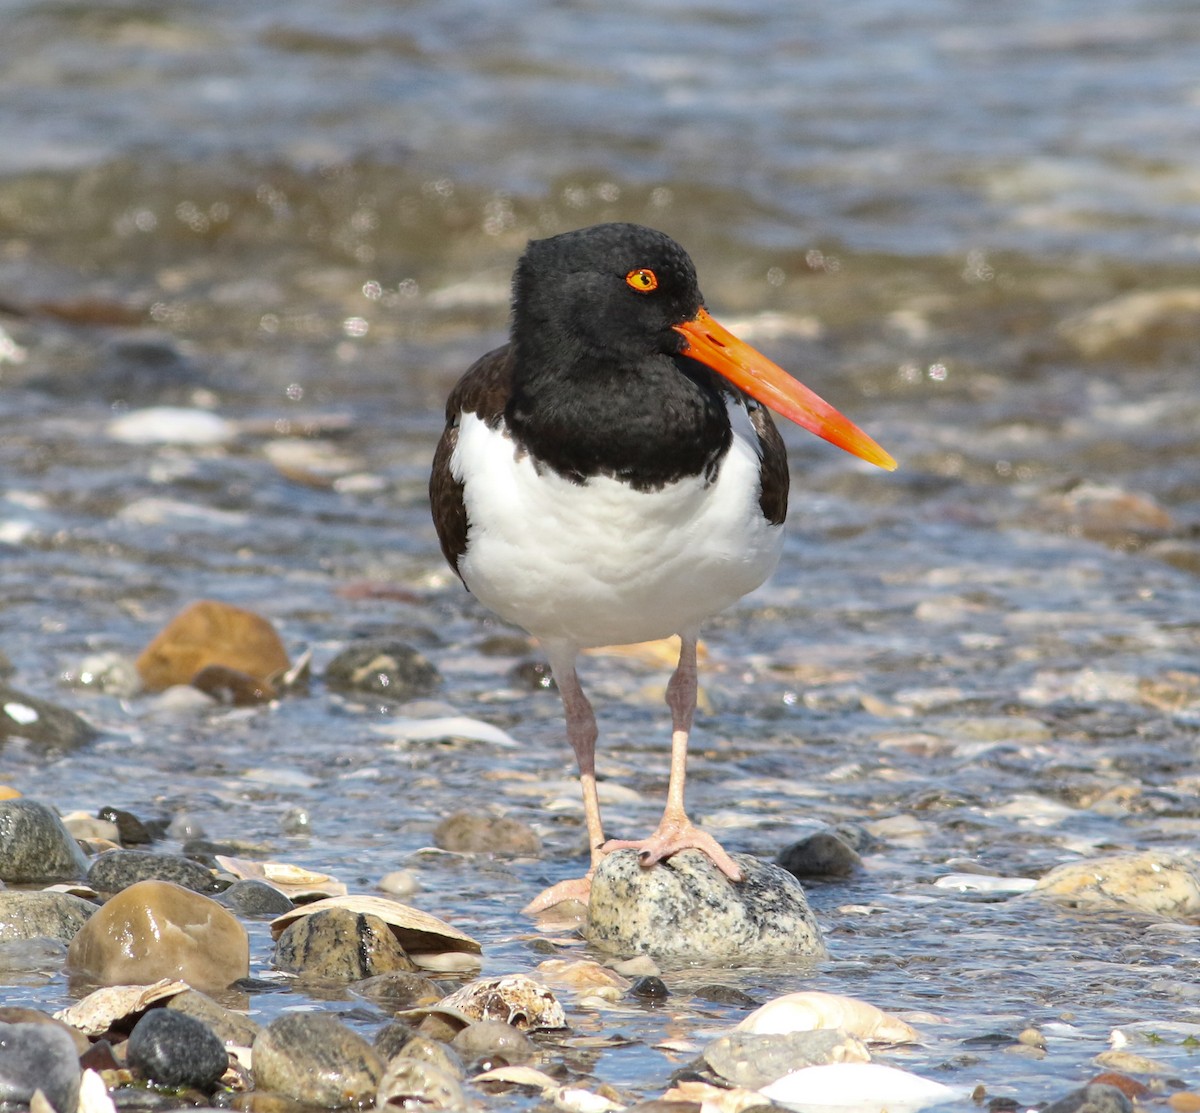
303 218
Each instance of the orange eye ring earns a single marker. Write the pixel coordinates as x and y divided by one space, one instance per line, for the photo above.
642 279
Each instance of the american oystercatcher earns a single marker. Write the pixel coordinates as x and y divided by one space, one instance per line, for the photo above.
612 475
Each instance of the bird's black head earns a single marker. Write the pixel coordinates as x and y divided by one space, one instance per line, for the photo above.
607 295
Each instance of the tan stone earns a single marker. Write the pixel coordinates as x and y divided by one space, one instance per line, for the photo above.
211 633
155 929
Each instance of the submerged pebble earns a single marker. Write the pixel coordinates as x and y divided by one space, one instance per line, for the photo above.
482 833
1155 882
821 854
383 667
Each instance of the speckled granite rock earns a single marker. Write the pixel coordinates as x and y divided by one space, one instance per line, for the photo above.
53 915
752 1061
35 846
115 870
1155 881
686 908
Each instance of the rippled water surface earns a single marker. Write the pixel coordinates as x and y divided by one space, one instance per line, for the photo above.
973 227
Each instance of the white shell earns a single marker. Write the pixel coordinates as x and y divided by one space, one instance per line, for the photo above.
858 1088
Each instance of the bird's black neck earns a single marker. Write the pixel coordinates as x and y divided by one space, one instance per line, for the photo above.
651 424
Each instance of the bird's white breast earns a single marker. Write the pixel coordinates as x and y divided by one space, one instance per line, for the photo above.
600 563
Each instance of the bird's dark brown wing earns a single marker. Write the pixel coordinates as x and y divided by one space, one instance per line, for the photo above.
484 391
775 478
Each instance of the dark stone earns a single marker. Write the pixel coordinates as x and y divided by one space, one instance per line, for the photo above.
115 870
32 915
480 833
43 723
251 897
725 995
382 667
339 945
650 987
38 1057
35 846
130 830
821 854
174 1049
686 909
533 675
233 687
1093 1098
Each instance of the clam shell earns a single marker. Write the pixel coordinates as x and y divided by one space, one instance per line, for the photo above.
99 1011
415 930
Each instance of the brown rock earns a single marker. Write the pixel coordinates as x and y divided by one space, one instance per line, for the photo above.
211 633
315 1058
340 945
480 833
158 930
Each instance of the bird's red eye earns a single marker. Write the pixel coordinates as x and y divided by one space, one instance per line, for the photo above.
642 279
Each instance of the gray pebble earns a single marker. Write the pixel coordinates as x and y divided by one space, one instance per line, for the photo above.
251 897
35 846
752 1061
1095 1097
315 1058
495 1041
38 1057
382 667
401 989
115 870
426 1050
32 915
45 724
174 1049
686 908
411 1084
821 854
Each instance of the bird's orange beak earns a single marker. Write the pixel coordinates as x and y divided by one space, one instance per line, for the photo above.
715 346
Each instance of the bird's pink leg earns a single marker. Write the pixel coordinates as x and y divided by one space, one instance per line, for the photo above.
675 832
582 734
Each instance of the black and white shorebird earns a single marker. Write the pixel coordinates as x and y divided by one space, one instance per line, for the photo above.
612 475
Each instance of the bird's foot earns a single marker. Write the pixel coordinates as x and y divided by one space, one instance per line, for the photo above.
574 888
672 836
